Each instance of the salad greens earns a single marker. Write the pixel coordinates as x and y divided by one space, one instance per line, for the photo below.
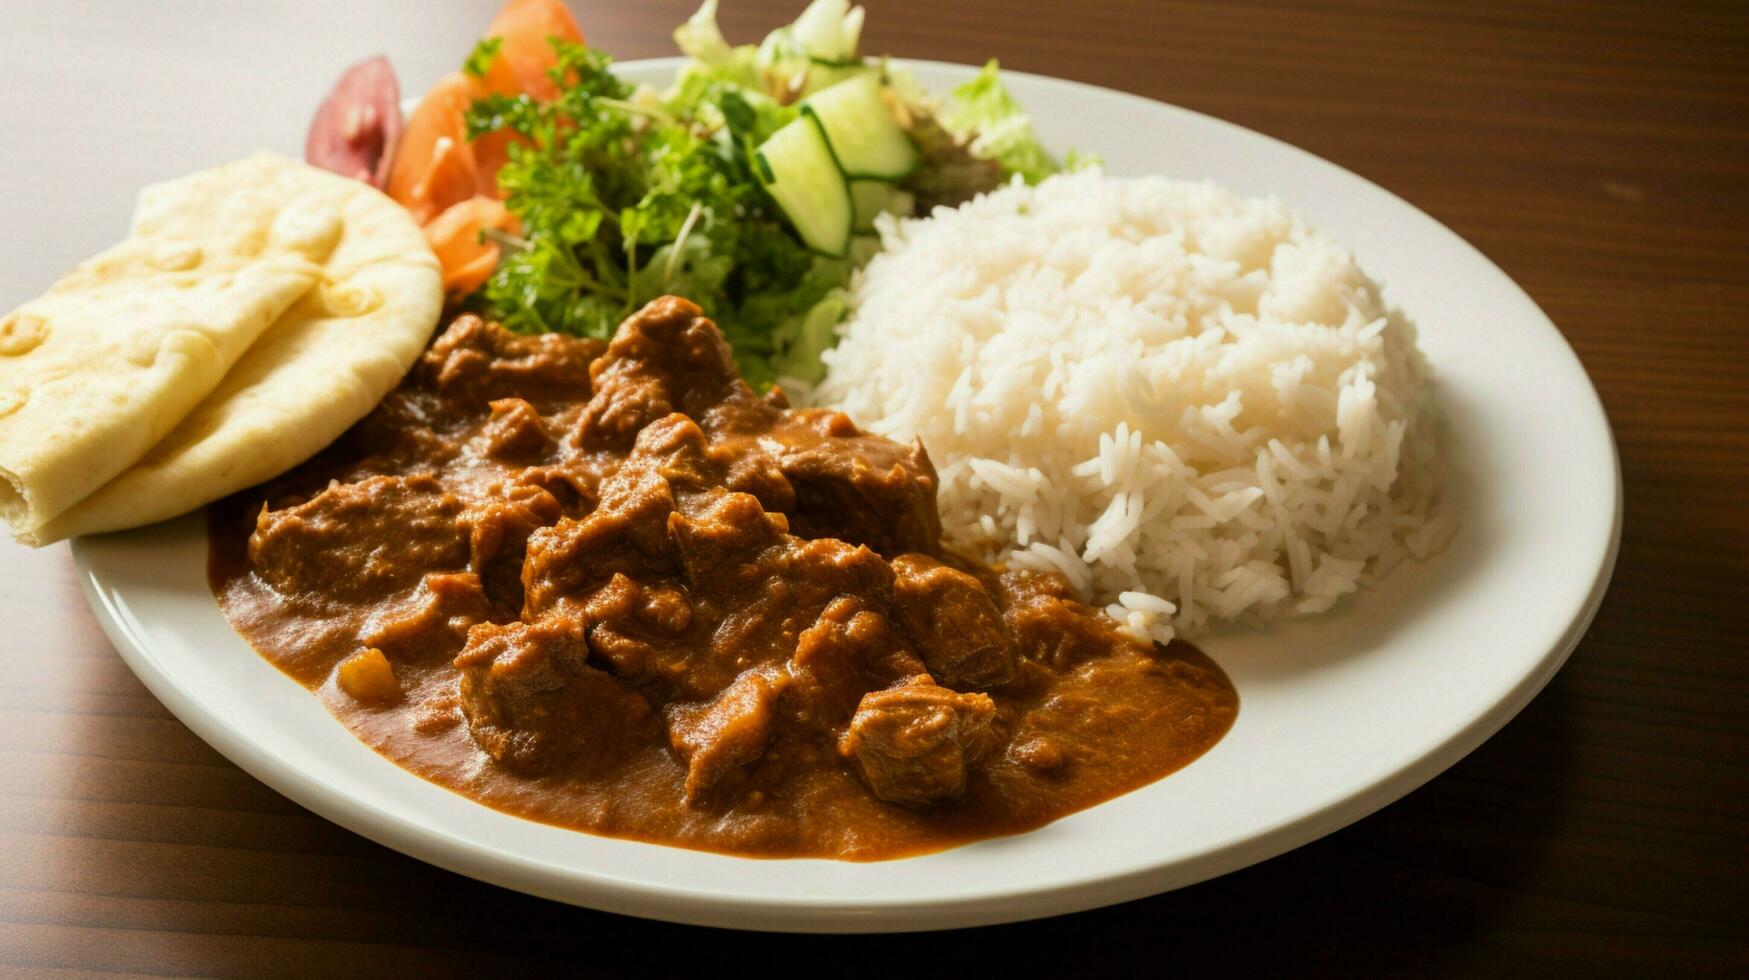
998 128
624 194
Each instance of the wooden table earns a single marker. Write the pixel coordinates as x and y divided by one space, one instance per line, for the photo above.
1599 152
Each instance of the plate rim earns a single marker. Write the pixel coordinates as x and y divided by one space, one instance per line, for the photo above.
871 913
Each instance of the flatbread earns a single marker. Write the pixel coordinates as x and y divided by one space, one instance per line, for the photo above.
322 366
103 365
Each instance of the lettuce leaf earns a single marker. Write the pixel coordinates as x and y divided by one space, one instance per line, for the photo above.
984 113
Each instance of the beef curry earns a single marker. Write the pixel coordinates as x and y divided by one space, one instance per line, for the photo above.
611 588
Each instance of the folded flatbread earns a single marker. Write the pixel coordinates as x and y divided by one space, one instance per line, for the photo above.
256 311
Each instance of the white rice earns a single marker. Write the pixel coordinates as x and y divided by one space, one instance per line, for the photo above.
1191 404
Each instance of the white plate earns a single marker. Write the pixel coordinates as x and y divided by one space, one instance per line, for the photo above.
1338 716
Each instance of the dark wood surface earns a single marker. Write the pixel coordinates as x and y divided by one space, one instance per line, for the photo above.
1598 151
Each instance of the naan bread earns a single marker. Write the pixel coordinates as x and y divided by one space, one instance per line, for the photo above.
256 310
322 367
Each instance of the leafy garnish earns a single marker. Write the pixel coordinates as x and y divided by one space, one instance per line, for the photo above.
624 197
623 194
999 129
479 61
951 173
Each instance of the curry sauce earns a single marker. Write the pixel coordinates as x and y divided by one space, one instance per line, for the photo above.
611 588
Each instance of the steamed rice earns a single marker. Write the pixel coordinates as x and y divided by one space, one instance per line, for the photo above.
1191 404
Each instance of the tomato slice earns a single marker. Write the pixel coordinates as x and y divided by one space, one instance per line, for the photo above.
451 184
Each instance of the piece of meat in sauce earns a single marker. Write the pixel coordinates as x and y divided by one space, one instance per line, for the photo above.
361 540
728 732
668 358
476 379
476 363
516 431
913 742
816 466
433 621
625 535
952 622
640 551
850 649
1049 625
499 522
859 488
532 700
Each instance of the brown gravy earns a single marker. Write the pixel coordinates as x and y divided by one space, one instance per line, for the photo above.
614 590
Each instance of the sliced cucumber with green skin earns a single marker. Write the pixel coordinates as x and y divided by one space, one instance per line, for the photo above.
799 172
870 198
823 75
865 137
850 62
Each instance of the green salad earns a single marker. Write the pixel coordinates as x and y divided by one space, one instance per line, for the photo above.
750 186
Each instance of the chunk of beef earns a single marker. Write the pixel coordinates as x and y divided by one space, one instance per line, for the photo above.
359 541
849 649
500 522
633 626
826 568
1047 623
748 469
532 702
913 742
515 431
574 487
721 531
858 488
474 362
626 534
433 622
952 622
666 358
728 732
674 447
766 604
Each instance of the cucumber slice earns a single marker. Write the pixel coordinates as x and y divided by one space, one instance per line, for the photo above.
823 75
865 137
797 168
874 197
